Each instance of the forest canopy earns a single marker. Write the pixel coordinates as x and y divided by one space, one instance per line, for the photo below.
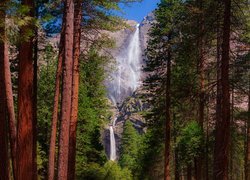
86 94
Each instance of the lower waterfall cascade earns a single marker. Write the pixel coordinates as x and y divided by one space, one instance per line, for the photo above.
112 144
125 80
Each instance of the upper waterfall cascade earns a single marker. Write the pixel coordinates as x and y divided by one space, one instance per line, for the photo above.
125 80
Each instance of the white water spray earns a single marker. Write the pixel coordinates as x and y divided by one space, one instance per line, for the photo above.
125 80
112 144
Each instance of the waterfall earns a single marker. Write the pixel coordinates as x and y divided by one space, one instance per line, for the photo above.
134 60
125 80
112 144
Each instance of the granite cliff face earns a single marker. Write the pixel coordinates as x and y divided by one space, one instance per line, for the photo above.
122 37
132 109
145 26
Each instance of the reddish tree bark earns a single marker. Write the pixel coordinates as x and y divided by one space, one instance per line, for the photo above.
52 147
4 159
231 149
75 89
218 67
247 155
4 165
10 109
201 61
177 169
222 136
35 102
167 174
66 90
206 173
9 101
25 131
189 172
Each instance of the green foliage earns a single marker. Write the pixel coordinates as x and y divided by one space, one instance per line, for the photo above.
92 115
164 38
110 171
176 30
237 153
46 79
41 161
190 142
18 16
131 145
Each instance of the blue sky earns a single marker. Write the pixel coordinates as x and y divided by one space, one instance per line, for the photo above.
136 11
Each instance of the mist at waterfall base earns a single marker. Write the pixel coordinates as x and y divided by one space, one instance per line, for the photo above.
125 80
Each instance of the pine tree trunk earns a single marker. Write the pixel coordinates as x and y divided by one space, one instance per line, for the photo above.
222 136
167 174
206 173
10 110
201 61
10 106
218 67
247 155
52 147
4 165
25 131
75 89
4 159
35 102
189 172
231 169
177 169
176 151
66 91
